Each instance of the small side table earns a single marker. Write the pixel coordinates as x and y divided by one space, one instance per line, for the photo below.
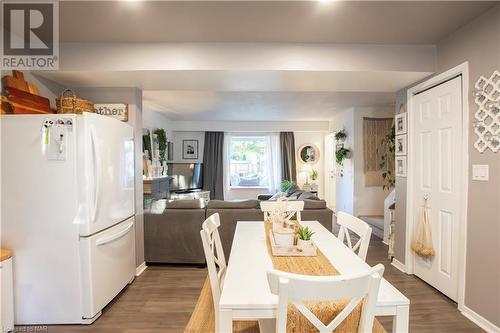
6 281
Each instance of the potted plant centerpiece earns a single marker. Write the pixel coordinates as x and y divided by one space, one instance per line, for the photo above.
304 239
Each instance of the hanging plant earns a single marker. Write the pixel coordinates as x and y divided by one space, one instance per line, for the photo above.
162 142
342 154
340 135
388 146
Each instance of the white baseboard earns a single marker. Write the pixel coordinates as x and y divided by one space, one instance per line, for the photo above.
396 263
139 270
480 321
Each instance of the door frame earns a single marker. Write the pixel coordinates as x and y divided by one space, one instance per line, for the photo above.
329 167
463 70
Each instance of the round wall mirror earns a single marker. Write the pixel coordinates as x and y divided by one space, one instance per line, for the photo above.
309 153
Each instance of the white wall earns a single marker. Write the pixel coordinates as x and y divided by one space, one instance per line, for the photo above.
154 119
317 139
179 136
252 126
352 195
345 184
367 200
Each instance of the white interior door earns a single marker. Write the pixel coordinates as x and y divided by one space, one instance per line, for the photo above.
436 162
330 171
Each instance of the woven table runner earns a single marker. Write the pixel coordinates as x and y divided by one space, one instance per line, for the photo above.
325 311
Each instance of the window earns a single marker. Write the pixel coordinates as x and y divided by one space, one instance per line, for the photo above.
249 161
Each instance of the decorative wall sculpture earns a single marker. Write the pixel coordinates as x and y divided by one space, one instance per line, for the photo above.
487 117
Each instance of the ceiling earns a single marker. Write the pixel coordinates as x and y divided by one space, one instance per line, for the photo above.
257 95
259 106
375 22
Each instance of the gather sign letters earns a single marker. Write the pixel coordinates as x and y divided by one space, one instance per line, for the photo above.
118 111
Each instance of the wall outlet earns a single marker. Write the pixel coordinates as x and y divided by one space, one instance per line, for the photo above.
480 172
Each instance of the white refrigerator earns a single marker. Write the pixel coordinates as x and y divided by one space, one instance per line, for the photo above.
67 213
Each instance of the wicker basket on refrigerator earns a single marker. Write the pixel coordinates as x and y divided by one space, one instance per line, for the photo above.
69 103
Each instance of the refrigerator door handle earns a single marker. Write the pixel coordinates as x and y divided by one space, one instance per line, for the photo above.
97 165
111 238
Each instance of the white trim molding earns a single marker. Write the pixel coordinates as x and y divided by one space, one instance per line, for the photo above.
480 321
399 265
140 269
463 71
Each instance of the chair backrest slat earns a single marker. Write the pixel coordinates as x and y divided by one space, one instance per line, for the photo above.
291 207
296 289
348 223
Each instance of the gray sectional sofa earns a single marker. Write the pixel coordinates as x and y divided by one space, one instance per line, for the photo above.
174 235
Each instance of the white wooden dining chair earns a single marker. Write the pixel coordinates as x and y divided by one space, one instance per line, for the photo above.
295 288
291 207
216 262
204 312
348 223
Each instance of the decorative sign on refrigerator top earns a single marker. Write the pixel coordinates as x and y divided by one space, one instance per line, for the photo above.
118 111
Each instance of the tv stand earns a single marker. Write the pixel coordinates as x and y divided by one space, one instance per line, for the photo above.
190 195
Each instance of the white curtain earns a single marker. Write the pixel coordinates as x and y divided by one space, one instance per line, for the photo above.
273 167
227 165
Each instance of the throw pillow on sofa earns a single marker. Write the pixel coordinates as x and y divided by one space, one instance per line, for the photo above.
277 195
307 195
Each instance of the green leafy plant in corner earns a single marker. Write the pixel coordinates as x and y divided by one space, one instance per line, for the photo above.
341 154
314 174
286 185
162 142
305 233
340 135
388 149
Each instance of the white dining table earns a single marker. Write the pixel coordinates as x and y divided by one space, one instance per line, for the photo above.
246 294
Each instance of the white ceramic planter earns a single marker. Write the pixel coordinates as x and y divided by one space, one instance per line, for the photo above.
304 243
283 237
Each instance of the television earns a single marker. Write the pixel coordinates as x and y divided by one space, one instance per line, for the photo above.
185 176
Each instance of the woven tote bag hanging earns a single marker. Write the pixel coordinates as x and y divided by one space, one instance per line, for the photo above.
422 237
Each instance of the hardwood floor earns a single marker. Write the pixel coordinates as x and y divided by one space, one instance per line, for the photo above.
162 298
430 311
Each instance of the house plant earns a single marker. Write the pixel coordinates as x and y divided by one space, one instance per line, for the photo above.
340 135
341 154
314 175
162 143
286 185
305 237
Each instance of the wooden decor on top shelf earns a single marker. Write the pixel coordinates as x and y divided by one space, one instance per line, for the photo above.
22 97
